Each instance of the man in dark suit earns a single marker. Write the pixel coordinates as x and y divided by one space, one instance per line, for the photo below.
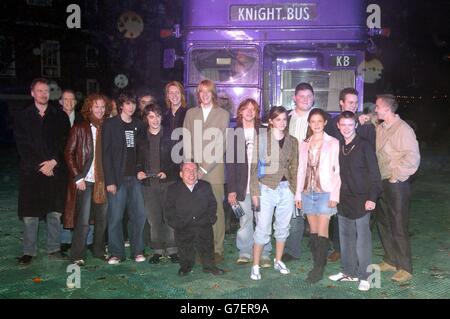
41 133
348 101
191 211
124 190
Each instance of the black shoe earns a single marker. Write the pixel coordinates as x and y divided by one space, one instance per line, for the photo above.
58 255
213 270
24 260
155 259
65 247
184 271
173 258
287 258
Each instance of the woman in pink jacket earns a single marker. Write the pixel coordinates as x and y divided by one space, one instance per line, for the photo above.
318 185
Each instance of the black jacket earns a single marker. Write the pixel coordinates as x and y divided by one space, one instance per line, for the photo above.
237 170
360 175
170 122
366 131
114 148
38 140
185 208
165 149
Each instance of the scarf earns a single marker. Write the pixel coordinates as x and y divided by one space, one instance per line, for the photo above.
99 185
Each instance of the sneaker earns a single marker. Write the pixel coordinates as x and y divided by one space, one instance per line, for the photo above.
139 258
114 260
174 258
401 276
243 260
79 262
342 277
364 285
266 262
384 266
281 267
155 259
255 274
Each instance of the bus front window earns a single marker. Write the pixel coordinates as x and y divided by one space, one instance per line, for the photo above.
224 66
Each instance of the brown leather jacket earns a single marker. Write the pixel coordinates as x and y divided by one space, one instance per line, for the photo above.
79 154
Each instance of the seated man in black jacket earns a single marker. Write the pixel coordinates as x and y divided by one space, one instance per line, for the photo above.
191 211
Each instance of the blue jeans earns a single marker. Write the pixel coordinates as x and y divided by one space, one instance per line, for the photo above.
30 233
244 236
356 246
128 195
282 199
66 236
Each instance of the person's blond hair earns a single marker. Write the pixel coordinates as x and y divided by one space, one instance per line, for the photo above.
180 87
211 87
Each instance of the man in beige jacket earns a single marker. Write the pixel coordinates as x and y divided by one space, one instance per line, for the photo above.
399 158
205 144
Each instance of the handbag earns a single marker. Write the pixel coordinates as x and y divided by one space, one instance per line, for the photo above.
237 210
262 151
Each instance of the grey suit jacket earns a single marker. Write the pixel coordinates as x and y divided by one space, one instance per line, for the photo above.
206 144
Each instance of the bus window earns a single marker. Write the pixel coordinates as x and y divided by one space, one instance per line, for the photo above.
326 84
224 66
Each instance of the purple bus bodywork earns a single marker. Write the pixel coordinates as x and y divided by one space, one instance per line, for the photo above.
263 49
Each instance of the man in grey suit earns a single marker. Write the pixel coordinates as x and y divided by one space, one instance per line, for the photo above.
206 125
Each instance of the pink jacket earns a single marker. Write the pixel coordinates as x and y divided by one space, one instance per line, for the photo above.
330 180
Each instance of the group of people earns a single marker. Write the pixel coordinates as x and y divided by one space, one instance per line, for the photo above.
166 169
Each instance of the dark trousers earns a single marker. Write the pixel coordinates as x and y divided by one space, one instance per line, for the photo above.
195 238
334 233
84 206
392 221
161 234
293 244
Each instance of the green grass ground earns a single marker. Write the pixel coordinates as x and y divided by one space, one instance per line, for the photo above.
429 230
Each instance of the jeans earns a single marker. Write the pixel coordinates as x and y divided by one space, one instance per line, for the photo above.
244 236
282 199
392 221
66 236
162 237
356 246
293 242
80 233
30 233
128 195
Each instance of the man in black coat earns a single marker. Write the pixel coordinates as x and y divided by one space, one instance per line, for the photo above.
360 189
119 137
191 211
41 133
348 101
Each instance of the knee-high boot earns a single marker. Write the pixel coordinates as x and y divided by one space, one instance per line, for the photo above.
313 241
320 261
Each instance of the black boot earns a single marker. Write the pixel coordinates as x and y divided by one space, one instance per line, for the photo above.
313 241
321 260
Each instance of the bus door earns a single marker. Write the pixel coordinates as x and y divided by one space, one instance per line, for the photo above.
282 73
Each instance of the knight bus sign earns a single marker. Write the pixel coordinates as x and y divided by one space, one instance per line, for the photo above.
262 49
274 12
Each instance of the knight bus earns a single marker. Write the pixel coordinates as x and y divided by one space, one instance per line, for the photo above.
263 48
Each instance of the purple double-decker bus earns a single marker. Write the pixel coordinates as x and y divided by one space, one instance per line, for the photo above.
264 48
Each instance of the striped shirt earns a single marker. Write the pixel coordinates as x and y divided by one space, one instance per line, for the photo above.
298 125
